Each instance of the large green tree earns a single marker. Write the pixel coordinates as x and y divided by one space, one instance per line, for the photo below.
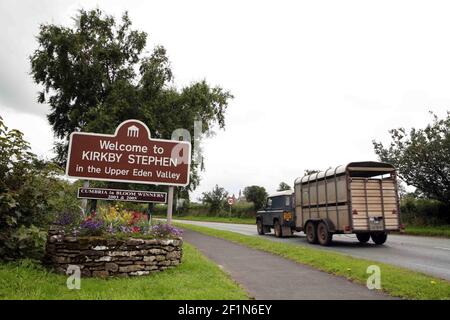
257 195
283 186
96 75
422 157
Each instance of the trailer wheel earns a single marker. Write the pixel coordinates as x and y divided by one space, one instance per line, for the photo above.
311 234
324 236
363 237
277 229
260 227
379 237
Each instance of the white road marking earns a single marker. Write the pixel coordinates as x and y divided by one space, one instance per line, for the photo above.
443 248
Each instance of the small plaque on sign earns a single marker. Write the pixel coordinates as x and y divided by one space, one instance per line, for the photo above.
122 195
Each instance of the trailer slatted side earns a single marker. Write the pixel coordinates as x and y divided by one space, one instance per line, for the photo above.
374 198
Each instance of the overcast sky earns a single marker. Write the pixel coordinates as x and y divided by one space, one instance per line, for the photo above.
314 82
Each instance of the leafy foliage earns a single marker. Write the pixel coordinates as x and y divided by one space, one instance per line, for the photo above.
284 186
423 212
422 157
29 192
241 209
95 76
216 199
257 195
24 242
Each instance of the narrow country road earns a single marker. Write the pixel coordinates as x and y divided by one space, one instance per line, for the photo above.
267 276
424 254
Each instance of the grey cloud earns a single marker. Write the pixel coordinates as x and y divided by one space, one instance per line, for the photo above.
19 22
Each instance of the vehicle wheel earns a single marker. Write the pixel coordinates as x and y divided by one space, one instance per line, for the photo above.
363 237
379 237
311 234
260 227
277 229
324 236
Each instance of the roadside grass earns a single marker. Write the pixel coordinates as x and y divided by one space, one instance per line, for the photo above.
212 219
396 281
430 231
195 278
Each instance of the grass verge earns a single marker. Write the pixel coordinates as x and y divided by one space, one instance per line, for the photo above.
429 231
395 281
212 219
28 280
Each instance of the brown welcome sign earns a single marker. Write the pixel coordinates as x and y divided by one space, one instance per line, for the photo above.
130 155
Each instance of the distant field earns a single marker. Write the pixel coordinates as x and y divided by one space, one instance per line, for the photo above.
212 219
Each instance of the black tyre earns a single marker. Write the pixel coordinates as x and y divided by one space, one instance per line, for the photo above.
311 234
277 229
324 236
363 237
379 237
260 227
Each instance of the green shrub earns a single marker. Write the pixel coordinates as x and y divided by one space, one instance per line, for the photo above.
257 195
240 209
61 196
30 191
423 212
216 199
23 242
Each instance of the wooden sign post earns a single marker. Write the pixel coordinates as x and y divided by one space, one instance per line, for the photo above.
84 201
170 205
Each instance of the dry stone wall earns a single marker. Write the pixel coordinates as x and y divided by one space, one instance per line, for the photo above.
102 257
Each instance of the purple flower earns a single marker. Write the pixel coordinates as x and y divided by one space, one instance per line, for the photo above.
111 229
125 229
165 230
66 218
91 227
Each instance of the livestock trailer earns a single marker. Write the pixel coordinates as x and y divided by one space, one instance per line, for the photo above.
360 198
